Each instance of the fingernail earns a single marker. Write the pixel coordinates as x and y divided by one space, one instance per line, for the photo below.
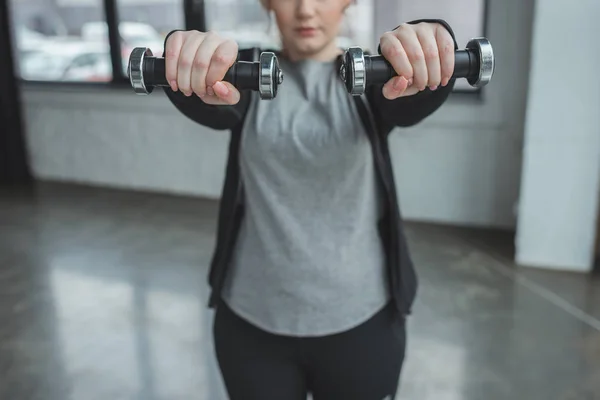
173 85
398 83
432 88
410 82
210 91
386 93
223 89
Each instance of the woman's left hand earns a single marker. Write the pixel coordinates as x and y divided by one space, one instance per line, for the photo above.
422 55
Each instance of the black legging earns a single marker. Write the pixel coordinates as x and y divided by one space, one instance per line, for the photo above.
363 363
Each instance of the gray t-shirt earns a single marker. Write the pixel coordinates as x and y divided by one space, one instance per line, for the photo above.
308 259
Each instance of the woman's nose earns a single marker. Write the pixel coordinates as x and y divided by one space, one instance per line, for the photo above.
306 8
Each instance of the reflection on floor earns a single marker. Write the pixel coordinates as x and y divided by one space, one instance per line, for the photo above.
103 296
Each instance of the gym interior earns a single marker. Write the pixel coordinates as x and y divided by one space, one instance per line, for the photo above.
109 204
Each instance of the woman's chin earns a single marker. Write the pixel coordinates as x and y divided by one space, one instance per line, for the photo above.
310 46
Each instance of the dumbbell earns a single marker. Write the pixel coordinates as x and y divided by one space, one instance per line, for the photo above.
358 70
146 72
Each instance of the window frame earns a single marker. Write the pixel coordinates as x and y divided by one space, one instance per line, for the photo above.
119 80
193 11
194 18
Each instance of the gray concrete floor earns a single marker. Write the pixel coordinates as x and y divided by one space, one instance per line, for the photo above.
103 296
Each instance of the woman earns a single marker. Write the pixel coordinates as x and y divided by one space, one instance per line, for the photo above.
311 278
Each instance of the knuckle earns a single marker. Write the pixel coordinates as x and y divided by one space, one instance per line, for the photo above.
220 58
415 55
405 27
447 49
170 52
430 53
200 63
394 50
390 45
387 38
172 45
211 34
186 62
232 43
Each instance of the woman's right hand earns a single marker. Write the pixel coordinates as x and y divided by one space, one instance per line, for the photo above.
197 62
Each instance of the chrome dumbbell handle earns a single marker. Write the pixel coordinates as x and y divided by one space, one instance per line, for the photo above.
147 72
358 70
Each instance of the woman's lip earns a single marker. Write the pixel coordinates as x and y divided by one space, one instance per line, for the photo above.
306 31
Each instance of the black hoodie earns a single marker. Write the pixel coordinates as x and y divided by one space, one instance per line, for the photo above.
379 115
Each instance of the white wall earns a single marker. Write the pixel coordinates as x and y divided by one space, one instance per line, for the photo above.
117 138
561 168
461 166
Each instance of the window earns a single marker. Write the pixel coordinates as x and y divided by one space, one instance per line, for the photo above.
49 42
68 40
146 23
245 21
